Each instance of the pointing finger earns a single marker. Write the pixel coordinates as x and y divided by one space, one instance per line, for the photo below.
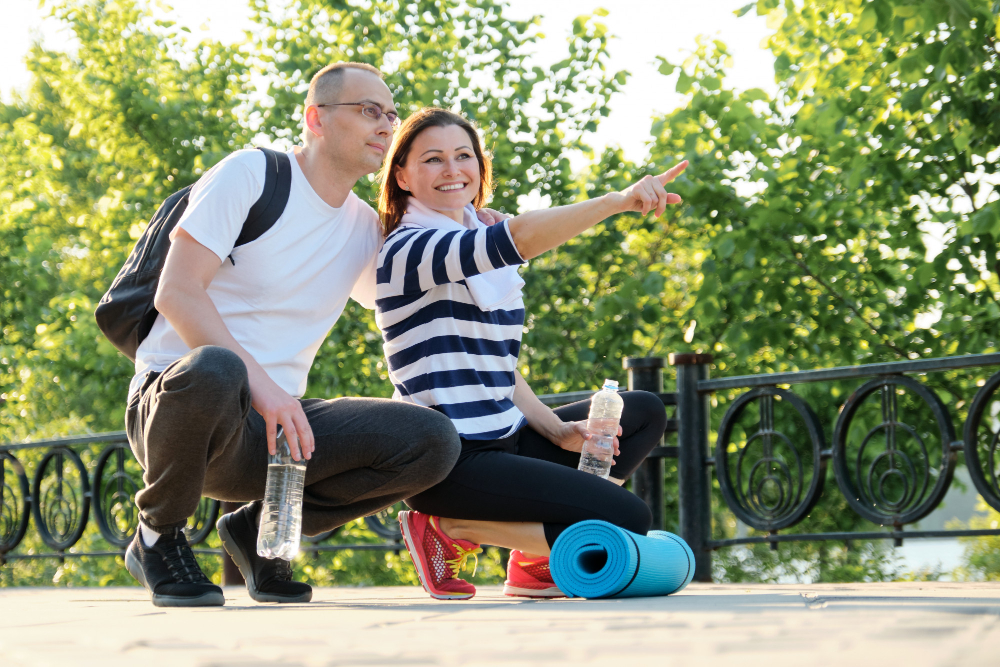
672 173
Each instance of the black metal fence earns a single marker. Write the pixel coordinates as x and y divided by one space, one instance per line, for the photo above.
61 496
894 450
893 456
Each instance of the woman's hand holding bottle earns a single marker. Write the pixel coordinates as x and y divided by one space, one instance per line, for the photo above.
571 436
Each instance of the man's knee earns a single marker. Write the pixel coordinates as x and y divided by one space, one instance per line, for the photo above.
210 369
435 444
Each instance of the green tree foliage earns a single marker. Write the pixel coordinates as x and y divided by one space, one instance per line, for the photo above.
811 210
104 134
982 554
812 206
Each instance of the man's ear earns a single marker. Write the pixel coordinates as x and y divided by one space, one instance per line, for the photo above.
313 122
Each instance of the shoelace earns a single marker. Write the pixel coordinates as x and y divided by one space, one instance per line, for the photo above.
461 559
181 562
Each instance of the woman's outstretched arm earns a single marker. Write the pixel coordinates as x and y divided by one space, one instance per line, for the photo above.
537 231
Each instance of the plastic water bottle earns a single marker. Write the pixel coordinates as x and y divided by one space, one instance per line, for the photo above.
281 517
605 412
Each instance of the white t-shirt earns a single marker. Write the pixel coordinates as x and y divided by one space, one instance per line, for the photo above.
287 288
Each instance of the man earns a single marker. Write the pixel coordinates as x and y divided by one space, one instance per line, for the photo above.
226 361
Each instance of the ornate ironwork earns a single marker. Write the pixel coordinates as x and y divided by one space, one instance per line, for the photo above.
764 481
982 442
15 502
117 479
385 524
889 478
201 525
61 506
887 469
316 539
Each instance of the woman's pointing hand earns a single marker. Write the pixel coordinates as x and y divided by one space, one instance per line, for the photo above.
648 193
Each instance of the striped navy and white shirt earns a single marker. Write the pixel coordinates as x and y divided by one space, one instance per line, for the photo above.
443 351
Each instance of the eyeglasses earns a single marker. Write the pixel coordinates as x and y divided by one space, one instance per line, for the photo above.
370 110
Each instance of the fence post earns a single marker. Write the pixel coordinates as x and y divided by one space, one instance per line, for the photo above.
231 575
694 481
646 374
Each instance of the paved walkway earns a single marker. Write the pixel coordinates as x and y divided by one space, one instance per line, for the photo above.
890 625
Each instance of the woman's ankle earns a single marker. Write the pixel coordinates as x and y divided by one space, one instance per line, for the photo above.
455 528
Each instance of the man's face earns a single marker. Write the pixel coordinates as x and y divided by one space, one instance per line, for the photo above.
351 137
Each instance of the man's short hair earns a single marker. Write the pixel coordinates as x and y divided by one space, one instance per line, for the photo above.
325 85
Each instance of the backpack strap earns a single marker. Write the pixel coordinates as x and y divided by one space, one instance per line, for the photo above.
271 204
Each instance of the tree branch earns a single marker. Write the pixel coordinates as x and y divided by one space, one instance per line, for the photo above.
840 297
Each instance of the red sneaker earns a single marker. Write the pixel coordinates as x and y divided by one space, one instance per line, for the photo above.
530 577
437 557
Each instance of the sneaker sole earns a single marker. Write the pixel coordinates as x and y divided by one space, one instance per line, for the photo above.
231 547
210 599
518 592
420 567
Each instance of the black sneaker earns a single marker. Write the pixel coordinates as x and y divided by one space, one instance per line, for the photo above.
170 573
268 579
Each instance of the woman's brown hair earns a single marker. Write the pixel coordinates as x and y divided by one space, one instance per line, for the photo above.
392 198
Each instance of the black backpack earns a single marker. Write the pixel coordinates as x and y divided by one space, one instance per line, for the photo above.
126 313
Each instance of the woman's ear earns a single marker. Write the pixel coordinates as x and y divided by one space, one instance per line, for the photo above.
400 178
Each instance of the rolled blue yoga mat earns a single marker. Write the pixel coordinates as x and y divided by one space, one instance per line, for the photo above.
595 559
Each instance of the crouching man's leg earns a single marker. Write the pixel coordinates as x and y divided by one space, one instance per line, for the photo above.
370 454
180 421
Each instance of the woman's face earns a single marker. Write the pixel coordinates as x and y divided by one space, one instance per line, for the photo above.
442 170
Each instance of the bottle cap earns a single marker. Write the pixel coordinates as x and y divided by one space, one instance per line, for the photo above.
611 384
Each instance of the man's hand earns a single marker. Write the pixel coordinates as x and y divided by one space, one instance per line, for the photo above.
571 436
489 217
277 407
648 194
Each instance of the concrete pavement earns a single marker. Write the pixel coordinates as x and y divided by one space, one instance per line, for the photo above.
898 624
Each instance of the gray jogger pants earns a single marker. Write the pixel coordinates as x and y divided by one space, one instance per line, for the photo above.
194 433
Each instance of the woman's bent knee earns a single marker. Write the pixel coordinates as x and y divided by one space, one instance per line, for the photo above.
636 516
647 408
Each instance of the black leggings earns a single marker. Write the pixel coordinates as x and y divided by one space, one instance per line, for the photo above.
525 477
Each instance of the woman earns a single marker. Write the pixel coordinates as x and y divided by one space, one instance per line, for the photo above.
450 310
